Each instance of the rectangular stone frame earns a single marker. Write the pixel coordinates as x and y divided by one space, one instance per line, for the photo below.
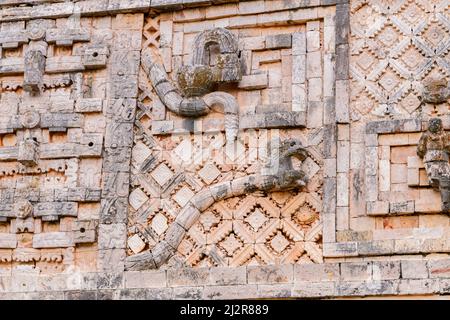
336 189
401 244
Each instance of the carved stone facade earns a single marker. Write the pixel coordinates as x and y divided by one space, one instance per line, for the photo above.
203 150
224 149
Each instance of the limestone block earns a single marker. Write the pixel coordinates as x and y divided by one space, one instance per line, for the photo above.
299 98
357 271
34 62
111 260
112 236
414 269
115 184
135 243
137 198
183 196
13 38
279 41
202 200
187 277
427 205
140 261
124 86
161 253
270 274
401 207
62 64
114 210
221 191
121 110
342 190
116 159
384 168
298 69
377 207
188 216
340 249
28 152
66 36
12 65
119 135
61 120
127 40
48 210
161 127
228 276
254 81
84 231
95 57
252 43
88 105
342 101
243 21
313 289
386 270
174 235
314 65
273 18
23 225
53 240
8 241
125 62
145 279
316 272
439 268
418 286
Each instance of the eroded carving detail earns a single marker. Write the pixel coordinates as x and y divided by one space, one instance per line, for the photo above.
436 91
433 147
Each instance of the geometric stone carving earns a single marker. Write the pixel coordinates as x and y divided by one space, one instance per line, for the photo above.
278 175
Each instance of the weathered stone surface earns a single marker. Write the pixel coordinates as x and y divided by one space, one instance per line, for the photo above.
112 236
53 240
187 277
145 279
414 269
228 276
325 272
269 274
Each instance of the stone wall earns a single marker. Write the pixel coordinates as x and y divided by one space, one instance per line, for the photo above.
208 149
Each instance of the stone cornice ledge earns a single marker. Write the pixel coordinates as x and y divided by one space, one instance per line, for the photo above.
328 280
14 10
385 247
